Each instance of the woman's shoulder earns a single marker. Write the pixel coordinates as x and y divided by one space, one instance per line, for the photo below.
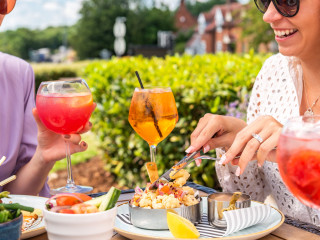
277 60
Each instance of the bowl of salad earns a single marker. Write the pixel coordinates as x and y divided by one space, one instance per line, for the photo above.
76 216
11 218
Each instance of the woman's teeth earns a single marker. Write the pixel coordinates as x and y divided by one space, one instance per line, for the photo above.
284 33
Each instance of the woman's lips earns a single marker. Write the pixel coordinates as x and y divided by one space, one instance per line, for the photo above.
282 35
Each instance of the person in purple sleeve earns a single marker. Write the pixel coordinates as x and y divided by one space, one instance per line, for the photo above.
30 148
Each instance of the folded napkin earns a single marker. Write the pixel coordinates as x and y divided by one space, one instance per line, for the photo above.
245 217
236 220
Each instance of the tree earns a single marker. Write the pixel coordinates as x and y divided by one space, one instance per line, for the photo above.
21 41
144 24
254 28
94 31
199 7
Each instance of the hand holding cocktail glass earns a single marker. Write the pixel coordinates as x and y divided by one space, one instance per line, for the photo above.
64 108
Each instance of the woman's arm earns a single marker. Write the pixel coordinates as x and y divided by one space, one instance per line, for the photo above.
51 148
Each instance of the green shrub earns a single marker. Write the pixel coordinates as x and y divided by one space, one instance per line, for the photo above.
55 71
200 84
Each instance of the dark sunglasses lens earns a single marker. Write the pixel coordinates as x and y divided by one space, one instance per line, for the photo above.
287 7
263 5
6 6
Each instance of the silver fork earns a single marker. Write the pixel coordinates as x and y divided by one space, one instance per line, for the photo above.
202 157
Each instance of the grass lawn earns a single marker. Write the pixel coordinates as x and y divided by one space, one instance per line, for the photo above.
92 151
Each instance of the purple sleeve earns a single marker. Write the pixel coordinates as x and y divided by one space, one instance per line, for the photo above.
29 137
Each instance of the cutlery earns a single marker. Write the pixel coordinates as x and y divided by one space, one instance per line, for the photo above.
166 176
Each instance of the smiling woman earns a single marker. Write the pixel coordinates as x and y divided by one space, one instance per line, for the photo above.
287 86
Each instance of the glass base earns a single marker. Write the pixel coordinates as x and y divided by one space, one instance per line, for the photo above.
71 189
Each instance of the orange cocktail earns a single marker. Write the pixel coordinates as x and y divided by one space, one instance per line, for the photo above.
153 114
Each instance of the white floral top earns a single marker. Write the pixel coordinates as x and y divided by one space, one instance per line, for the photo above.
277 92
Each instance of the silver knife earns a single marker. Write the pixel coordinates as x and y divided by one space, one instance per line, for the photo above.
166 176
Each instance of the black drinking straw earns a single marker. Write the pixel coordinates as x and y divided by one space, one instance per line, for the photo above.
149 106
137 74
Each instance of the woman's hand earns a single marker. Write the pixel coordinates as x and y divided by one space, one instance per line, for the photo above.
52 146
223 128
269 131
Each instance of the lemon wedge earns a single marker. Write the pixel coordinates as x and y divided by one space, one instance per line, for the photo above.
181 227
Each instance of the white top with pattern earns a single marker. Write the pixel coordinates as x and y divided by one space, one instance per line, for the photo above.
277 91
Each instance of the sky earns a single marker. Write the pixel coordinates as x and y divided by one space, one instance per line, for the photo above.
39 14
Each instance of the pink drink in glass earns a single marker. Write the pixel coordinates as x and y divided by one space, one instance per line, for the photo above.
65 114
298 157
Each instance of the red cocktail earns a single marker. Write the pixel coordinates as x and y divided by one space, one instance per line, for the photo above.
65 107
65 113
298 157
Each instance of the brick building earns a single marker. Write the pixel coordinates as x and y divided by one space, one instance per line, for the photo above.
184 19
216 30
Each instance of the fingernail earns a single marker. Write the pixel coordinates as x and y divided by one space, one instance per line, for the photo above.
206 149
189 149
198 163
222 159
67 136
84 144
238 172
259 165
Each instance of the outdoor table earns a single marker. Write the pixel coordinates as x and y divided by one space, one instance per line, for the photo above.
291 229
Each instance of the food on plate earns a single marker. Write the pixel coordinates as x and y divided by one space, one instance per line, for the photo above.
30 218
181 227
10 211
167 194
79 203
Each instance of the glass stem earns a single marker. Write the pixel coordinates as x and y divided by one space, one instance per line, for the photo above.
153 153
70 182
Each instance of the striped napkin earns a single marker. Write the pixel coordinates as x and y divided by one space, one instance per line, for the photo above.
236 220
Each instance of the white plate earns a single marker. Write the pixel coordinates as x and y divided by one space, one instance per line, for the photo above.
37 227
274 221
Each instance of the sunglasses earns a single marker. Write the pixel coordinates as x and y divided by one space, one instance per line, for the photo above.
287 8
6 6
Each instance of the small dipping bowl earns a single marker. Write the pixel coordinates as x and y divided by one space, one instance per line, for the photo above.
156 219
219 201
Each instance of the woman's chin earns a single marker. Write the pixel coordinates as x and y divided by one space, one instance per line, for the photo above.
289 52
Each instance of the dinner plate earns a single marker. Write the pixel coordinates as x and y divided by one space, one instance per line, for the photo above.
274 221
37 227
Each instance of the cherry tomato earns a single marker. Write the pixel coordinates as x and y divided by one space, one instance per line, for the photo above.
66 201
67 211
83 196
70 200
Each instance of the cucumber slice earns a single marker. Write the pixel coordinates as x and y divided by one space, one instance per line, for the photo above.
96 201
110 199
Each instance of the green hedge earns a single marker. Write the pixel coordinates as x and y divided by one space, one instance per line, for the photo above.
51 71
200 84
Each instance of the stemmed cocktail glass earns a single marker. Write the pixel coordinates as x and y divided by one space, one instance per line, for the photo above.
153 115
298 157
65 107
